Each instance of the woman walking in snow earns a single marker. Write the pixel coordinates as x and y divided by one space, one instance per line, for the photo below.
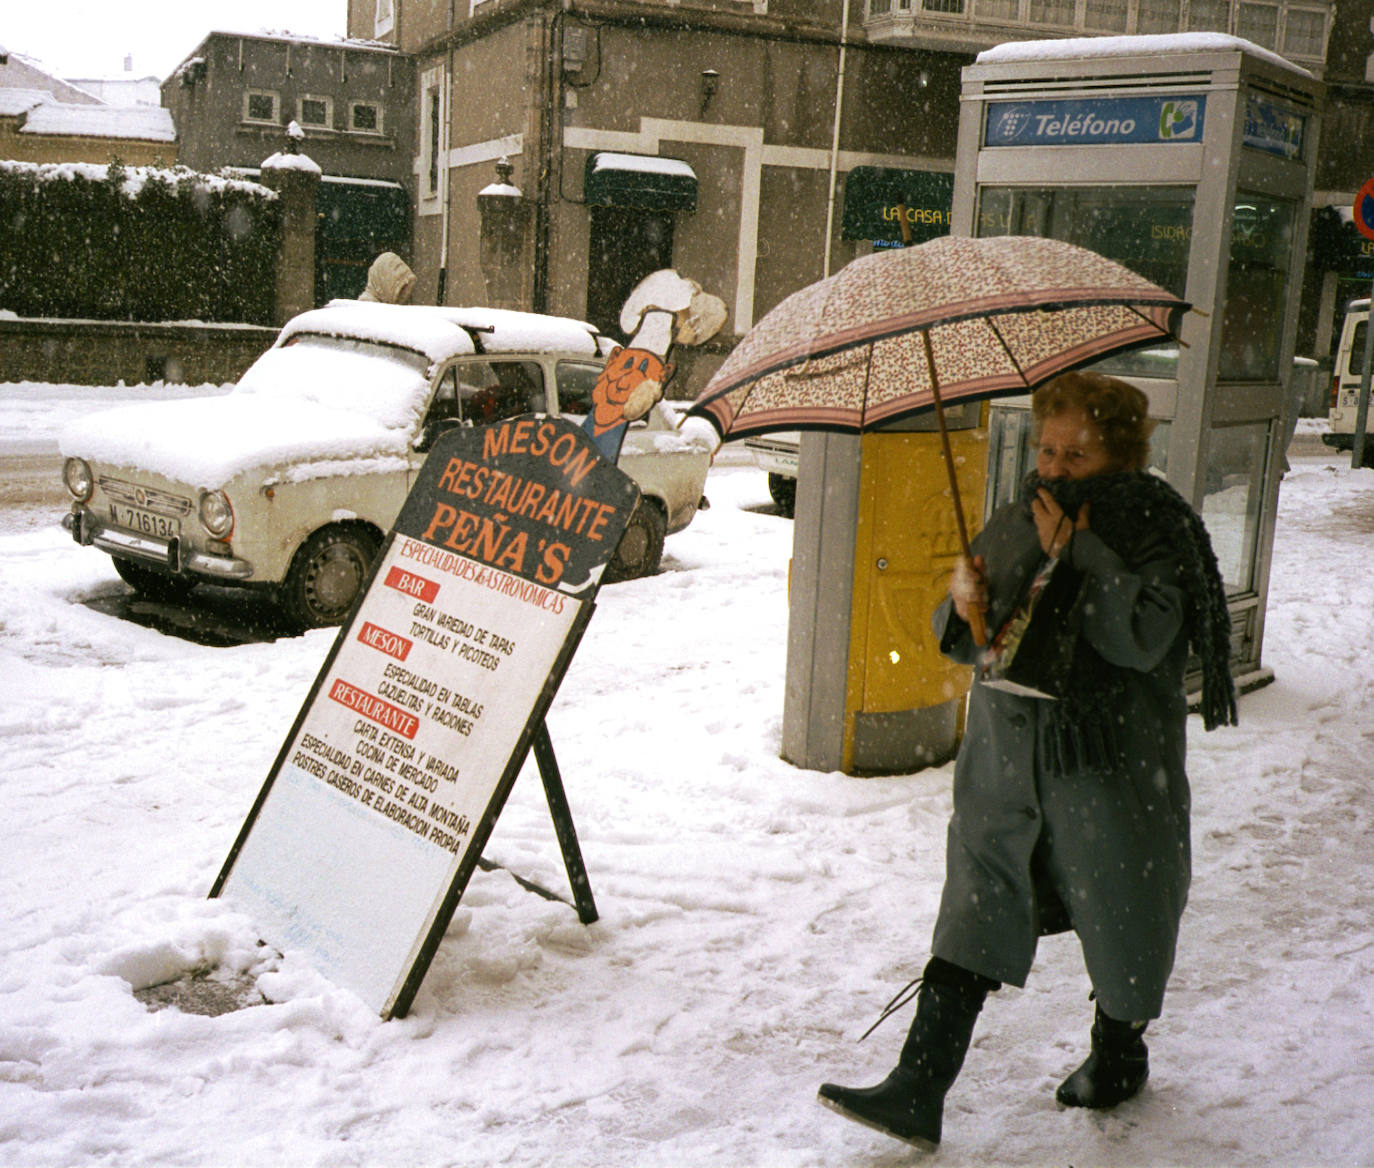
1069 812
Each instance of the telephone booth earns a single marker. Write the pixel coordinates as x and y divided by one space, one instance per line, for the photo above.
1188 159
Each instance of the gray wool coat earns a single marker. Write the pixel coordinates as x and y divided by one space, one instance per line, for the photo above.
1104 853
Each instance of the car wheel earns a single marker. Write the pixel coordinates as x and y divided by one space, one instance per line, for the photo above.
152 583
641 547
326 576
784 492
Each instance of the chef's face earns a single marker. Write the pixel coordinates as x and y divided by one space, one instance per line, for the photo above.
1071 447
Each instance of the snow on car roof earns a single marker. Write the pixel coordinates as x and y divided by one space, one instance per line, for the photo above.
443 332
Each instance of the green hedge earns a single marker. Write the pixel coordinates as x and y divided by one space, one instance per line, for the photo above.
136 243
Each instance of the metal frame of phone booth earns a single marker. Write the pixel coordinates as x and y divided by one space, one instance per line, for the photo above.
1191 166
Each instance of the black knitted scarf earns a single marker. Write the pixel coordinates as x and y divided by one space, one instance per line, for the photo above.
1126 509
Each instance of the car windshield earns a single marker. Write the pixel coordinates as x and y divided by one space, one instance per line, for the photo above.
384 382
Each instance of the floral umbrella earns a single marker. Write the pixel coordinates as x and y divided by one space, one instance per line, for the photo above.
1000 315
954 319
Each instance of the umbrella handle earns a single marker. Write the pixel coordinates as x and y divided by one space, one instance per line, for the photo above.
977 625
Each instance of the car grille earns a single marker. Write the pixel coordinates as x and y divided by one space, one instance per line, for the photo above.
148 498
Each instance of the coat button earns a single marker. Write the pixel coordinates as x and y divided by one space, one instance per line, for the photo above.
1017 720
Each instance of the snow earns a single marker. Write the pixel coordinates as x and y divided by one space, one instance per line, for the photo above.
754 917
135 177
301 162
643 163
14 102
431 330
145 123
1159 45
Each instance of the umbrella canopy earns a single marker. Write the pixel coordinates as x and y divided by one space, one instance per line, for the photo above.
995 316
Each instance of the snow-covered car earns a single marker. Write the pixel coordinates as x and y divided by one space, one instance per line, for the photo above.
291 480
778 455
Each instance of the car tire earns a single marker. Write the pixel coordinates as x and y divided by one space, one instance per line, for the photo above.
152 583
784 492
327 574
641 547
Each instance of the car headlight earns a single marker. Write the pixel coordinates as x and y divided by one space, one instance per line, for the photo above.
76 473
216 515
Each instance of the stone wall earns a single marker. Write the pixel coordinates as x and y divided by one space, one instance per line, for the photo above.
102 352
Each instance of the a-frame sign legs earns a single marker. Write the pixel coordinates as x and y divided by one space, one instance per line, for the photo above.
563 828
563 825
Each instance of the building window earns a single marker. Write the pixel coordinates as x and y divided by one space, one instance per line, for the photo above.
384 19
954 6
260 105
315 111
1107 15
1052 12
997 9
1154 16
364 117
1304 33
1259 23
431 137
1209 16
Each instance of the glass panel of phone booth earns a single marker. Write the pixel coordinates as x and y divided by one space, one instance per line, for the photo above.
1146 229
1256 288
1233 495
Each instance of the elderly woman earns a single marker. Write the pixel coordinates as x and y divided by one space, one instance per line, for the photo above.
1070 811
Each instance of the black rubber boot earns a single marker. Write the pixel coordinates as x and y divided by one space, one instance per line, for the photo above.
909 1104
1115 1070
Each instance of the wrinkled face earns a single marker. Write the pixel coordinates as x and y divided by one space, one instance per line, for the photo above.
1071 447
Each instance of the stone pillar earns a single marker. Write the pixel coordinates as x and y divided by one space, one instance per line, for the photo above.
505 216
295 178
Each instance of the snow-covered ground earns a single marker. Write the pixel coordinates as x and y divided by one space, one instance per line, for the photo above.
754 917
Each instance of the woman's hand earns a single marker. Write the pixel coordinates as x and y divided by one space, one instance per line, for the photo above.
1052 524
968 587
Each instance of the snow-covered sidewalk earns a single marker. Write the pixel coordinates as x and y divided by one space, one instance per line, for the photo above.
755 917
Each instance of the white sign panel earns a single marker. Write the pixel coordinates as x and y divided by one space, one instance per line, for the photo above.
391 780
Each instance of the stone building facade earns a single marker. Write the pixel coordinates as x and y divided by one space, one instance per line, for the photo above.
755 145
234 95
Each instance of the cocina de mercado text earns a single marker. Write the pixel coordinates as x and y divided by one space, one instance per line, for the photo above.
373 789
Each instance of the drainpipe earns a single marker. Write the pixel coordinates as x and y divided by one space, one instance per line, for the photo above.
442 293
549 156
835 135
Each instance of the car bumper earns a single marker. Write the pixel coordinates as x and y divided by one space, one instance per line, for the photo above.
171 554
780 458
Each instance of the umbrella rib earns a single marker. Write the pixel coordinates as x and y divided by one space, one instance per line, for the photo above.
1001 340
1172 330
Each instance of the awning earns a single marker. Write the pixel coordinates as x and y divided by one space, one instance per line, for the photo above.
644 181
872 195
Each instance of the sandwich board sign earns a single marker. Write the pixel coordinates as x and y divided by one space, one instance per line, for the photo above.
377 807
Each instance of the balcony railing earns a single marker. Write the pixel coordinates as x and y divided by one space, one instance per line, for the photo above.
1296 29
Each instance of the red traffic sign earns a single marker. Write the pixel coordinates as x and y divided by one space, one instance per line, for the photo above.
1364 210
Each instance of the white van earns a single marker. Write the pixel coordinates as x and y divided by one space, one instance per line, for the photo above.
1345 382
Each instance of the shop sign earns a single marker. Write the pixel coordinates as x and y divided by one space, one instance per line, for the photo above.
1273 128
878 198
1095 121
377 808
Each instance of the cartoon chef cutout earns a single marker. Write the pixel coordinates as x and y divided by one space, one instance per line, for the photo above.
663 310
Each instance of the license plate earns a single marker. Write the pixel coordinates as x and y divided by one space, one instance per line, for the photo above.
144 521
